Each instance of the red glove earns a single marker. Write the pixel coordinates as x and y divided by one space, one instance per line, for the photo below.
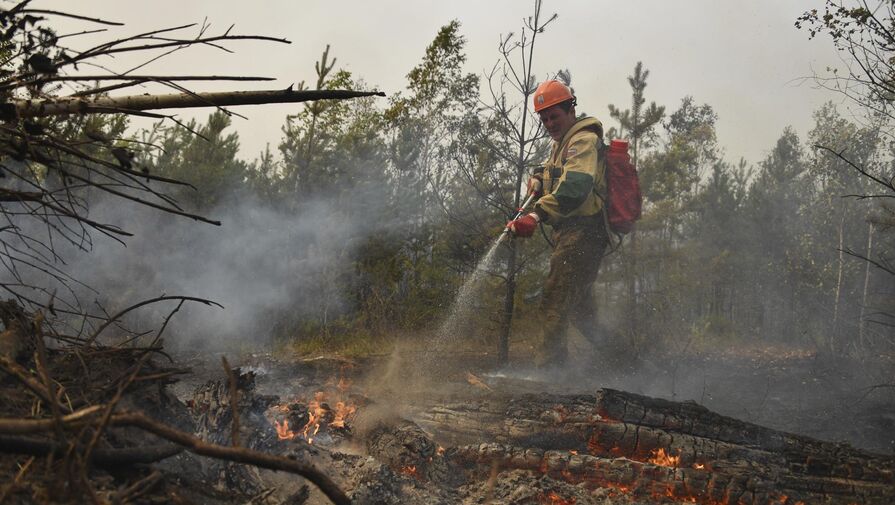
524 226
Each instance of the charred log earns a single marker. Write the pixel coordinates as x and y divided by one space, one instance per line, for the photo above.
651 446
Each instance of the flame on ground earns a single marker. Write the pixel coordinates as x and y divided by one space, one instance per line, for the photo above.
283 431
661 458
320 414
343 412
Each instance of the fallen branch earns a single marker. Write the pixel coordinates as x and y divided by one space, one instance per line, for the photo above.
30 426
189 442
17 371
235 454
115 318
138 488
136 103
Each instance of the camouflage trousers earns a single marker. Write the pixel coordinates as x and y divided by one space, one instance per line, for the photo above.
568 296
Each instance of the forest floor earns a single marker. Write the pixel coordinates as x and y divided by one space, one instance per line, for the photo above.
796 390
404 407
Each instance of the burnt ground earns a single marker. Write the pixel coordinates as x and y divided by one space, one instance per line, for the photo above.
793 390
380 457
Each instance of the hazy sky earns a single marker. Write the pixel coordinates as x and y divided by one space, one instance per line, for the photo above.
745 59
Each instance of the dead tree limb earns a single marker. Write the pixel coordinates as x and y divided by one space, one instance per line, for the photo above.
235 454
189 442
17 371
32 426
117 316
136 103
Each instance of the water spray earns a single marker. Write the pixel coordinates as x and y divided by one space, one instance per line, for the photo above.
466 302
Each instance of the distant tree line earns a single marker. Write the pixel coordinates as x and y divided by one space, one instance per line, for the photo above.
726 251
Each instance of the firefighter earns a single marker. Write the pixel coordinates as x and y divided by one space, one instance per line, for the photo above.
567 188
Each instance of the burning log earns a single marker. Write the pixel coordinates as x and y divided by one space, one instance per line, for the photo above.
653 447
408 450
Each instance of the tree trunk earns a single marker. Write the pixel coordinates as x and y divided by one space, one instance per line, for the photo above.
135 103
632 282
861 324
509 302
834 338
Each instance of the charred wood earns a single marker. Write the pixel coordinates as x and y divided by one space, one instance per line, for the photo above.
659 438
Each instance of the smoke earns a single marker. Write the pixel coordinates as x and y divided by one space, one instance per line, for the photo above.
264 265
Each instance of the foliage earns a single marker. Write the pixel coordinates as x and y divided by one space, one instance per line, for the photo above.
637 123
203 156
865 34
403 200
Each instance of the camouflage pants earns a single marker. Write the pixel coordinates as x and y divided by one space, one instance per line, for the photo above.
568 295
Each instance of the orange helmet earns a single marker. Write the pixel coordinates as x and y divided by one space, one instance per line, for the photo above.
550 93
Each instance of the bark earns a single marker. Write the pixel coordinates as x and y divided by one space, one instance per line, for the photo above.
136 103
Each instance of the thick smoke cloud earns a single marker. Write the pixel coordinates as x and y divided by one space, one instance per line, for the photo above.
262 263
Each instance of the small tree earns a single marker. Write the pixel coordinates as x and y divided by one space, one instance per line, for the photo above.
511 143
638 124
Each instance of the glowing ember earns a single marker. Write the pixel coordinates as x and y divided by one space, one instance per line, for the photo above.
659 457
555 499
409 470
283 431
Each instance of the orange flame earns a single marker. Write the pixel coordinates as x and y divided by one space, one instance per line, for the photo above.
283 431
659 457
343 413
409 470
320 415
316 411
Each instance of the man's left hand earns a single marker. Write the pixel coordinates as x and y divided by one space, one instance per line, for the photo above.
524 226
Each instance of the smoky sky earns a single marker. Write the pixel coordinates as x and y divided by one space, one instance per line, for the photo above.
748 61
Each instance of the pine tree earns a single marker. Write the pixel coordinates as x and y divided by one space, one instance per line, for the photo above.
638 124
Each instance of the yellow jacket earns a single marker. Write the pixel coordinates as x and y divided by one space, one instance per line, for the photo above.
574 175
